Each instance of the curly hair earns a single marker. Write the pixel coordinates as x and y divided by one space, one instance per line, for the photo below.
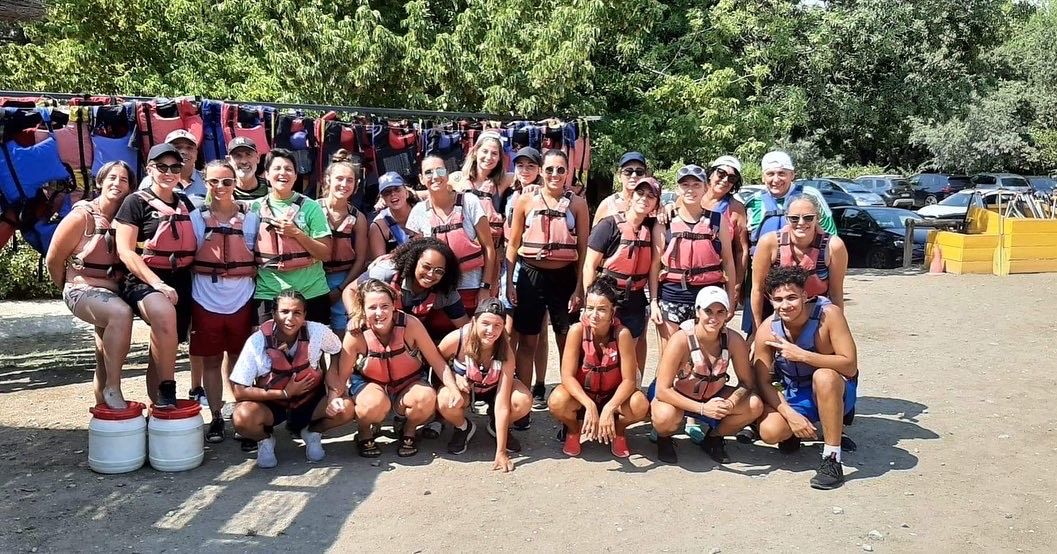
357 313
784 275
406 257
605 286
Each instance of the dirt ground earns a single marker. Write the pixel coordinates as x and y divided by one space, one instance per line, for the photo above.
955 428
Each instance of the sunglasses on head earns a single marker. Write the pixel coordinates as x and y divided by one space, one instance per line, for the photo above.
633 171
796 219
690 171
439 172
169 168
227 182
554 170
722 174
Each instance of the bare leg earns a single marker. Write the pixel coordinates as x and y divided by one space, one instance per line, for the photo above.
563 407
250 420
526 352
745 412
321 422
774 428
828 386
633 410
452 412
160 314
113 325
667 419
418 404
211 378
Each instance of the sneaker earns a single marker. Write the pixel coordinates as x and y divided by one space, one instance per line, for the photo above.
215 434
266 453
539 396
716 449
460 438
512 444
571 446
228 411
432 430
847 445
166 395
313 445
694 431
747 435
830 474
619 448
790 445
666 450
653 435
523 424
560 437
198 394
113 399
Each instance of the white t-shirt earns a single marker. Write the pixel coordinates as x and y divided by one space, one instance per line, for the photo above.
228 294
472 212
254 363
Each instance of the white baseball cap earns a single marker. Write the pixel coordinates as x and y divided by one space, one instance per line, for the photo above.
728 161
776 159
712 295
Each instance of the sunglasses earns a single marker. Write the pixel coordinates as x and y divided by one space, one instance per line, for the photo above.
731 178
554 170
439 172
796 219
227 182
633 172
437 271
690 171
169 168
645 192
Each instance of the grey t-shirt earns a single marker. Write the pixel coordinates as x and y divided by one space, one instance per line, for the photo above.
385 271
472 212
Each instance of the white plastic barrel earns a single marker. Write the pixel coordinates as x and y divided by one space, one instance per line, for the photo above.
176 437
117 439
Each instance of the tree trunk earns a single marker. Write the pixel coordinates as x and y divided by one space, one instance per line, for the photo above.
21 10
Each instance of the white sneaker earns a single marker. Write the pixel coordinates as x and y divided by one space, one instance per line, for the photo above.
313 445
266 453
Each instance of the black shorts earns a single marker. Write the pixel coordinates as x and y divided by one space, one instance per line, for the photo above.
316 309
132 290
631 310
297 418
542 291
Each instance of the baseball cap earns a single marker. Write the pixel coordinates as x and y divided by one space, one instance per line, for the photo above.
389 180
728 161
531 153
776 159
490 306
712 295
181 134
650 182
629 157
241 142
691 170
162 149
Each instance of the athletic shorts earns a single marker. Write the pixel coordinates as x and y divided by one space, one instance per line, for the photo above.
214 334
300 417
339 318
358 383
438 324
72 294
675 312
632 312
747 321
802 399
540 291
317 309
132 290
651 393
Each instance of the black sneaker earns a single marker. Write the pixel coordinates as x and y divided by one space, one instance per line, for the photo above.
198 394
539 397
166 395
215 433
830 474
790 445
562 431
460 438
747 435
666 450
848 445
716 449
512 444
523 424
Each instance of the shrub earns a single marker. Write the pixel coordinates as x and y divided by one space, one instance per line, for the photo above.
22 274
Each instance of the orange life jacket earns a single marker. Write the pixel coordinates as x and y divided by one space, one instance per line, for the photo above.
283 368
229 116
599 372
450 230
154 128
223 251
173 245
630 263
343 242
547 234
95 256
692 257
700 380
391 364
814 260
422 308
486 194
481 378
276 251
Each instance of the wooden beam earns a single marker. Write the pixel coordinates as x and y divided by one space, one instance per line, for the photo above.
21 10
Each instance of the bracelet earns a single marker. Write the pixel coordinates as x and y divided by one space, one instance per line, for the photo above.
286 395
702 410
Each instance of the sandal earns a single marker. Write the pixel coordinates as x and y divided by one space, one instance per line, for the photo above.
368 448
408 447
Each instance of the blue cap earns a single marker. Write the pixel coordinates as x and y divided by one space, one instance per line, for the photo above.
629 157
389 180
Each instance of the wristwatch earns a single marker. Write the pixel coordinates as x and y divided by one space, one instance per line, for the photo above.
486 286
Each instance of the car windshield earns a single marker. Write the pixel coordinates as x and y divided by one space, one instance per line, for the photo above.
894 219
1015 182
855 187
956 200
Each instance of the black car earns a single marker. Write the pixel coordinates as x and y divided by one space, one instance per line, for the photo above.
833 196
874 236
937 186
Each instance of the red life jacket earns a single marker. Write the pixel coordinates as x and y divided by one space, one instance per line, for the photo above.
814 260
600 368
481 381
391 365
700 380
154 128
173 245
692 256
422 308
486 194
223 251
283 368
548 236
275 251
229 116
342 242
95 256
450 231
74 140
630 263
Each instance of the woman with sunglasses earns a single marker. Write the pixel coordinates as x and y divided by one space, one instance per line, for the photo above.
724 179
222 315
631 169
697 254
548 242
82 260
802 242
348 232
156 243
484 175
389 228
483 363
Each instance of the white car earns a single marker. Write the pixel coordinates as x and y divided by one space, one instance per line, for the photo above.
956 205
746 192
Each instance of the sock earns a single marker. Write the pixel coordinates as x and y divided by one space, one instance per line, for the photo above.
827 450
465 424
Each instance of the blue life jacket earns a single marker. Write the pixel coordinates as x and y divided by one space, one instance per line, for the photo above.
110 149
26 169
773 216
798 374
214 146
397 236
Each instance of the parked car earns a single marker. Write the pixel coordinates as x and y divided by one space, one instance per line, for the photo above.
1007 181
746 192
937 186
860 195
875 236
1042 183
896 190
877 183
956 206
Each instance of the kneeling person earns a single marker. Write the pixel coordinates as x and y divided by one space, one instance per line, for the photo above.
809 346
277 379
692 380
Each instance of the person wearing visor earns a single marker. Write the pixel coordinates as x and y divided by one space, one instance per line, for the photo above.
389 228
631 169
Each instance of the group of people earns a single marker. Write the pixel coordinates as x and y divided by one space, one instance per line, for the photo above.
314 313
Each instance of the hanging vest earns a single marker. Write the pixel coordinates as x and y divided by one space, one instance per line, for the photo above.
24 170
275 251
74 140
814 261
773 215
450 230
548 236
229 116
599 373
390 365
96 255
154 128
115 146
397 233
481 381
798 374
487 196
630 263
283 368
214 146
223 252
395 148
422 308
173 245
692 257
700 380
342 242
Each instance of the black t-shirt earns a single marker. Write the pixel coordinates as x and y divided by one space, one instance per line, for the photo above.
136 211
605 237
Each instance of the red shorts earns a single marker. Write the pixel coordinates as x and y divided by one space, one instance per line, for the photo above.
438 324
213 334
